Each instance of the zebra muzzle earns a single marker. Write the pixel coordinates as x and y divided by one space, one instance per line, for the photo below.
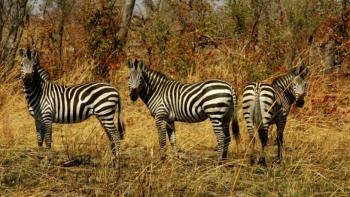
28 79
300 103
134 94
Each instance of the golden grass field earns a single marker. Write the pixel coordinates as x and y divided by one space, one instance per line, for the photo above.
316 154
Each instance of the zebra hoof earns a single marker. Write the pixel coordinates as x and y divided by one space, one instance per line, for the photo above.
163 158
252 160
262 162
40 157
277 161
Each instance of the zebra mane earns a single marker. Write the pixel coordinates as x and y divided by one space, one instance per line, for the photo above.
154 72
285 79
148 71
44 75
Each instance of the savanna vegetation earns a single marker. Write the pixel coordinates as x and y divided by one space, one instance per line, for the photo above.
238 41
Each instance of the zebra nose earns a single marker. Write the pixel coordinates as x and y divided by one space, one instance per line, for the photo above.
133 94
28 78
300 103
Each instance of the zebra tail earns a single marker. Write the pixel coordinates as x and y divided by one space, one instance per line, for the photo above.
121 128
257 116
234 122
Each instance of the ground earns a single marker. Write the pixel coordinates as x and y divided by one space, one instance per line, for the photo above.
316 157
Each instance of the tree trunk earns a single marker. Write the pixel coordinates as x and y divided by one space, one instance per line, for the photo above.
150 8
127 15
1 18
15 18
60 33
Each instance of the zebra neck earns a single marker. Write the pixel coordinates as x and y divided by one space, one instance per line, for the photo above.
34 89
283 85
154 82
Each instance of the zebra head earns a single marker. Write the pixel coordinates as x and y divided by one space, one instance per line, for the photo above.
136 79
29 62
299 84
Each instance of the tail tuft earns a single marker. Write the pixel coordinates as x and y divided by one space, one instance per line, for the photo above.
234 123
121 128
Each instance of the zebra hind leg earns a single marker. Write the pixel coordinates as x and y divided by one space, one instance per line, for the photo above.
252 145
171 135
113 137
223 138
227 141
263 135
279 138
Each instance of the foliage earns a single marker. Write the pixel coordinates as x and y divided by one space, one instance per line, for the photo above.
101 29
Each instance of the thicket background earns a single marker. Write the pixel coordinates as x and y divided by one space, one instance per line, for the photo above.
189 40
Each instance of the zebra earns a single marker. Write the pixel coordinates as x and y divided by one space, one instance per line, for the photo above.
51 103
169 101
265 104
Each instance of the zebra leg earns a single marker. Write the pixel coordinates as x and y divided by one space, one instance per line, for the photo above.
263 141
252 144
222 138
48 138
161 126
40 139
227 140
171 135
113 137
279 138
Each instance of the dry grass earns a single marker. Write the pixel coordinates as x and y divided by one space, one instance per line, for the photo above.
316 156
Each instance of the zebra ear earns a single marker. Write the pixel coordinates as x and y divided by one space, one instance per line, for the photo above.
28 53
21 52
129 63
36 55
139 66
305 72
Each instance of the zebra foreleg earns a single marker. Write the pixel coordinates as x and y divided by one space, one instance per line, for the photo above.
48 139
40 139
171 135
263 141
161 126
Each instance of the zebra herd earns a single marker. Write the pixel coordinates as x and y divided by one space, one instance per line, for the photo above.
167 100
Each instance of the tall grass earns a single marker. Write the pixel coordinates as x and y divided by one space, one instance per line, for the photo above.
316 153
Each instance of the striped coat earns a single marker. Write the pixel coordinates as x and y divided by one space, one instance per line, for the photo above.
266 104
52 103
169 101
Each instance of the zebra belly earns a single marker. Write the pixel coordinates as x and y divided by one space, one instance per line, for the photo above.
198 115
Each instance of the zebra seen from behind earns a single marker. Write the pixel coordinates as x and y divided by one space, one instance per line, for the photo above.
265 104
51 103
169 101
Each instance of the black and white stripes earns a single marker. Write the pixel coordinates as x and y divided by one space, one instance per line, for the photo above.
51 103
169 101
265 104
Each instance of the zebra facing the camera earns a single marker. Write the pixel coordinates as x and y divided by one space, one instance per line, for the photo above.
51 103
265 104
